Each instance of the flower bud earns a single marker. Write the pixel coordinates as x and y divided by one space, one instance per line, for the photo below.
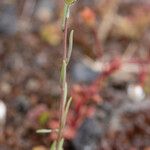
70 2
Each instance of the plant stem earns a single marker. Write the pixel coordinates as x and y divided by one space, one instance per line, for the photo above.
62 105
65 39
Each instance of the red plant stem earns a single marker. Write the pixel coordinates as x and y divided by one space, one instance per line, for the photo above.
98 52
65 39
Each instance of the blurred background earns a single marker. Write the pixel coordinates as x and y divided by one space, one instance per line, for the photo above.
109 74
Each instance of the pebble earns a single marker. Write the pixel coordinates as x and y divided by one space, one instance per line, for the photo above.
5 87
41 59
8 20
88 135
33 85
22 104
3 111
85 70
44 10
135 92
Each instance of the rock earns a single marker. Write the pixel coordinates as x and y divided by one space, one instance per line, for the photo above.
88 136
44 10
127 108
22 104
3 111
33 85
14 61
41 59
8 20
5 87
135 92
122 77
85 70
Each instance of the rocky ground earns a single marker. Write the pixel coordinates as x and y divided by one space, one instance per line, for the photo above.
109 75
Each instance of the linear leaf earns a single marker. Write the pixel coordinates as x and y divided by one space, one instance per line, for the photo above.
63 72
60 147
67 109
68 105
42 131
70 45
65 93
53 146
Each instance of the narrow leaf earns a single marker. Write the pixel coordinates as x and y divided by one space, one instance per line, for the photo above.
68 105
53 146
70 45
60 146
65 93
67 109
63 72
42 131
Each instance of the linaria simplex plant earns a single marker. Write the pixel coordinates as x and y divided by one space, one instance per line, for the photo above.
64 104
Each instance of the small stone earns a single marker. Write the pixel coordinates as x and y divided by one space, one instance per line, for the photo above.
42 59
32 85
135 92
85 70
88 136
14 61
3 111
8 20
44 10
22 104
5 88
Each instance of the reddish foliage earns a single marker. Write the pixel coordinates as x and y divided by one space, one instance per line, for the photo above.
86 97
113 65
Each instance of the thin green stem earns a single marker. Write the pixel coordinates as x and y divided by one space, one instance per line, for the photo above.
62 105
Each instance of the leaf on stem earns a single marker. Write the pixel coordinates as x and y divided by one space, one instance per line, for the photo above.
53 146
42 131
63 72
68 105
70 45
67 109
65 93
60 146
